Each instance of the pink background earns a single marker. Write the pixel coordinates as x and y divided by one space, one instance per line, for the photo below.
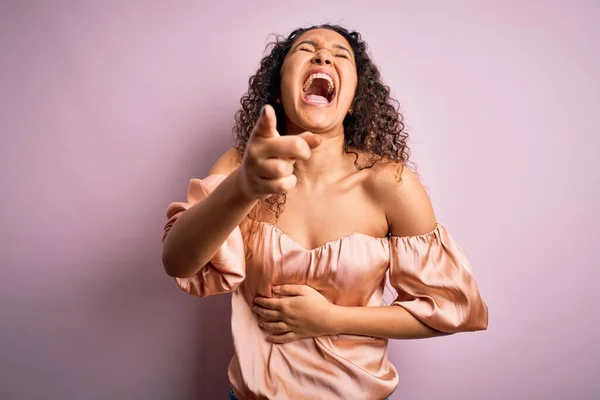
108 108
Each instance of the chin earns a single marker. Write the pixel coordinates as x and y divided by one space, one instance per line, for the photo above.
316 124
316 119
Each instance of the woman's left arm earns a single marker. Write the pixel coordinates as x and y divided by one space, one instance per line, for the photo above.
382 322
430 272
300 311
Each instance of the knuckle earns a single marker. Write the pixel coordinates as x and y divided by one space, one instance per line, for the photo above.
290 182
297 146
285 185
279 186
252 153
281 169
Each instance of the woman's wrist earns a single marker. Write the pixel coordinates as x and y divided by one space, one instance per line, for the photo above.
334 320
242 192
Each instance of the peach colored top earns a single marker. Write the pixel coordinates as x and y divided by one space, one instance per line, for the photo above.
430 273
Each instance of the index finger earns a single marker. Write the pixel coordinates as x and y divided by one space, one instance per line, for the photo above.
266 126
271 303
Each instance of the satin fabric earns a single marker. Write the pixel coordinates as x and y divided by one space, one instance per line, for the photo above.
232 395
430 272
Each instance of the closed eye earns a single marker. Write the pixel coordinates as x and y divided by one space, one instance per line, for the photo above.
305 49
343 56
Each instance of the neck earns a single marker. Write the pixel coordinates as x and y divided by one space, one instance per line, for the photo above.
327 162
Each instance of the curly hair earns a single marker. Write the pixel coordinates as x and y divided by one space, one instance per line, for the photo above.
374 127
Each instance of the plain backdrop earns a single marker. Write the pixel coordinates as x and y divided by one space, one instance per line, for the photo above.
108 108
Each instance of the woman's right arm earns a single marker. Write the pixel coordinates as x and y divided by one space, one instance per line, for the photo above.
197 229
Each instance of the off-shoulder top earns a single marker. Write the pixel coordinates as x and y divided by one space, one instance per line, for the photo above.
430 273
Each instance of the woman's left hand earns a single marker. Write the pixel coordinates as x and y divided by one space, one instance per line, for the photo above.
301 312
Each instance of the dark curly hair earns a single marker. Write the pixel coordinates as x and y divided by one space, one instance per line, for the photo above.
374 127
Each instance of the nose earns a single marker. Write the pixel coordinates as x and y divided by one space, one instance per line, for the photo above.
322 57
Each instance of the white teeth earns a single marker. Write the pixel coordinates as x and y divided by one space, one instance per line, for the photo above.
316 75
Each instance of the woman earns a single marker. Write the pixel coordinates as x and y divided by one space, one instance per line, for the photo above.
302 220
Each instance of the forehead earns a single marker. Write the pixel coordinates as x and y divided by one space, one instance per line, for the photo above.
324 38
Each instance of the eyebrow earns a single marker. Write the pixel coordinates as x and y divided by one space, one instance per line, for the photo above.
314 44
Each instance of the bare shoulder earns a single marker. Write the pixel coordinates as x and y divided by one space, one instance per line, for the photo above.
227 163
399 192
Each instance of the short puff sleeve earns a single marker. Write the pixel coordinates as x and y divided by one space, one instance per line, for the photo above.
227 268
435 282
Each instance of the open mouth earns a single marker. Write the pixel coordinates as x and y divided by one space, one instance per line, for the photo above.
318 89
